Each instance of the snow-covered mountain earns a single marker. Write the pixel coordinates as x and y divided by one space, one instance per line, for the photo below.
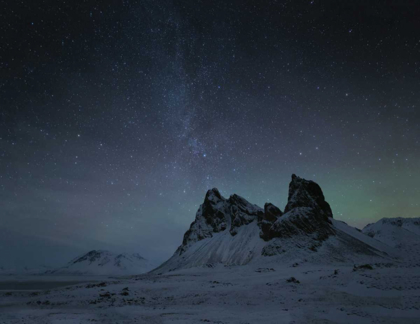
403 234
101 262
235 232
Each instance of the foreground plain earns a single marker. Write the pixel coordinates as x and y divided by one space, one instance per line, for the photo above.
387 293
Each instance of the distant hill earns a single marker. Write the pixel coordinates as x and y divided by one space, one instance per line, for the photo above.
101 262
403 234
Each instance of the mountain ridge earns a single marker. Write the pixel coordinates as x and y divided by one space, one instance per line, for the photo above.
234 231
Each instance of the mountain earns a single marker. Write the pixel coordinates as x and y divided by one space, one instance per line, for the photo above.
101 262
233 231
402 234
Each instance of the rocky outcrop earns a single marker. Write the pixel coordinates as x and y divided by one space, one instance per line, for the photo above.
306 193
306 212
271 212
218 214
270 216
242 213
301 220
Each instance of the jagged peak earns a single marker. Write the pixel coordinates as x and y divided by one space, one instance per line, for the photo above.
213 195
307 193
242 203
237 198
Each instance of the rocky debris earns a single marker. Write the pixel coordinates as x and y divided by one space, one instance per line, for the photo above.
293 280
107 295
362 267
215 282
101 284
125 292
265 270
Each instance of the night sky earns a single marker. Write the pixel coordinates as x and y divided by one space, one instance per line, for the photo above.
117 116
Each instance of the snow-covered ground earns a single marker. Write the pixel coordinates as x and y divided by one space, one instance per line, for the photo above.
241 294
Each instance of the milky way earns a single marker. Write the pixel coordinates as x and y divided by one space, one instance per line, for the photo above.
117 116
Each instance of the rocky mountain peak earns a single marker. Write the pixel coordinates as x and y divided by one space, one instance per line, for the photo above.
306 193
306 213
217 214
213 195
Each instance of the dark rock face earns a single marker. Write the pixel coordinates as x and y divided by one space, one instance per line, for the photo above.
271 212
301 220
270 216
306 193
241 213
217 214
306 213
212 212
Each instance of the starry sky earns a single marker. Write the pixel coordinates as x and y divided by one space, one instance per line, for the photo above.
116 116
